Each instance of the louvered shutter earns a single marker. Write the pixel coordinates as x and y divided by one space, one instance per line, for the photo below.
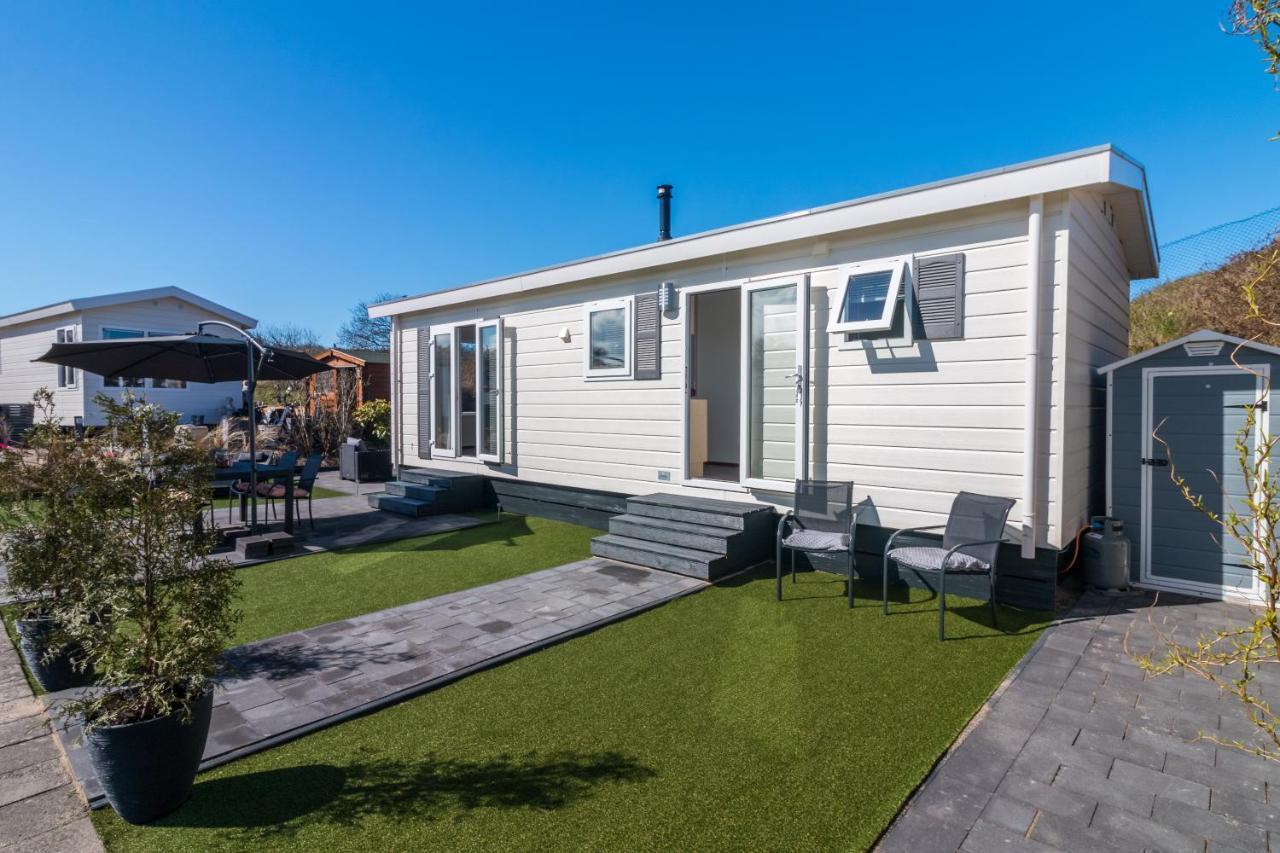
424 394
648 337
939 291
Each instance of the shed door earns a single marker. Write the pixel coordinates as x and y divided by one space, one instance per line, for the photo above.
1198 412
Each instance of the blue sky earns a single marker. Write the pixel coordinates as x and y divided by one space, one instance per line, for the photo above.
290 159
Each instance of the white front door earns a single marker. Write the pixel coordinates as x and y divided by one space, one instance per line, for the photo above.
775 382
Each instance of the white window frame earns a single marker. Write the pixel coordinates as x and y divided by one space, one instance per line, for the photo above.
897 266
496 325
134 333
628 334
67 377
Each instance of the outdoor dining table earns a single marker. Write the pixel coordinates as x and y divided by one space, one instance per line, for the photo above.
278 474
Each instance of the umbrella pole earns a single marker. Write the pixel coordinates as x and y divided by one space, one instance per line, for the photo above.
253 443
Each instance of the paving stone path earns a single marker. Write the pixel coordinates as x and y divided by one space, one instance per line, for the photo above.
1080 751
290 685
40 808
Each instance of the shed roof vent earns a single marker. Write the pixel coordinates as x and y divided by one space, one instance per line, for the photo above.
1202 349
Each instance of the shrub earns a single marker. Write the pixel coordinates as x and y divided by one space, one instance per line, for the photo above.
170 603
374 417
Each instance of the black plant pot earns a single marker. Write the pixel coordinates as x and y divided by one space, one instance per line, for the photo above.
147 769
55 673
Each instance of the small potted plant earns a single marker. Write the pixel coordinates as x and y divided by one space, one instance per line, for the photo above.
172 616
51 492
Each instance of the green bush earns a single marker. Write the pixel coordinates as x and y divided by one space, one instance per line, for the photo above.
169 603
374 417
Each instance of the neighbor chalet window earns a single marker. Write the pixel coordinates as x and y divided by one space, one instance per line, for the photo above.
122 381
608 330
868 296
66 375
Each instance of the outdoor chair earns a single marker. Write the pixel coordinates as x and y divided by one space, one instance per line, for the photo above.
240 488
822 522
304 488
971 541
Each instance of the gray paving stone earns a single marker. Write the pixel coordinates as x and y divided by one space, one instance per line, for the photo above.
1143 833
1062 833
985 837
27 752
34 816
1262 815
1009 814
32 779
1142 778
1133 752
916 833
1048 798
78 836
1207 824
1105 790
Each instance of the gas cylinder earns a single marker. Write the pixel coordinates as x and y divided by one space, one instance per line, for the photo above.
1106 554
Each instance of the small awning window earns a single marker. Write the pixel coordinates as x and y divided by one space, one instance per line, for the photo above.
867 296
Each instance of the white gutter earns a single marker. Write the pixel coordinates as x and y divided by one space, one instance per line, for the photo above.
397 453
1031 423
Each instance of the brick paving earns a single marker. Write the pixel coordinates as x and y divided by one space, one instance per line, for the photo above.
40 808
290 685
1079 750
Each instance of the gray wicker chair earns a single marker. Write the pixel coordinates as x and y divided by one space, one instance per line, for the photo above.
971 541
823 521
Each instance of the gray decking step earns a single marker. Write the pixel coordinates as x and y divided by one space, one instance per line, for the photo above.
402 506
702 537
705 565
717 513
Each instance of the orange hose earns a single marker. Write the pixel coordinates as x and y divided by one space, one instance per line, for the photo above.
1075 556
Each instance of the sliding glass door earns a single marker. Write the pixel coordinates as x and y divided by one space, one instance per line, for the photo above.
774 394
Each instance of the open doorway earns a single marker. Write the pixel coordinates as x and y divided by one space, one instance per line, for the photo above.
715 354
466 390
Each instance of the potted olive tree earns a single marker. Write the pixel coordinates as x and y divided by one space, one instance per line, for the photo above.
172 615
52 494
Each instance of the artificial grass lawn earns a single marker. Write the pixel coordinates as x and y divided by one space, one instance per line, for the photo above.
303 592
723 720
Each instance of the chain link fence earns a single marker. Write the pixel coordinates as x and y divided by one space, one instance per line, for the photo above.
1209 248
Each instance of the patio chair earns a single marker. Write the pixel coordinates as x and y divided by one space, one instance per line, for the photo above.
304 488
971 541
822 521
240 488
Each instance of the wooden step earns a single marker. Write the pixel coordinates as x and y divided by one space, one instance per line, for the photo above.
701 537
659 555
403 506
707 511
402 489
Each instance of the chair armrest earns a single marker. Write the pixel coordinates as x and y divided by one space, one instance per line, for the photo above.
947 556
853 524
787 516
889 545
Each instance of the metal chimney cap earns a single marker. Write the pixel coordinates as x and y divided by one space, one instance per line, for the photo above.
664 191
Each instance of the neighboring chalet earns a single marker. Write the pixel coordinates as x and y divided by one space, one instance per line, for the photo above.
369 374
918 343
26 335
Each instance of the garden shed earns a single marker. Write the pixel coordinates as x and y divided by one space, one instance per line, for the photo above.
1179 409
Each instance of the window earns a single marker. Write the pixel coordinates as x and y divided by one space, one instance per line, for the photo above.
66 375
608 334
868 296
109 334
122 381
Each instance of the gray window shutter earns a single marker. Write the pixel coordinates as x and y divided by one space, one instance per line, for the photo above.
424 394
648 337
939 290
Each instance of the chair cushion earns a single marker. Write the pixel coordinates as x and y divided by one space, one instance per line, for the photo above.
817 540
929 559
278 492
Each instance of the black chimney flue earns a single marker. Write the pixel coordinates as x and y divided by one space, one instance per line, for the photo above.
664 211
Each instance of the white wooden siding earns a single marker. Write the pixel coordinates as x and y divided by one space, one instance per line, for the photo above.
910 426
20 377
1096 334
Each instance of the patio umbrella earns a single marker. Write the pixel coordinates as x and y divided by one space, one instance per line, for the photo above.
193 358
